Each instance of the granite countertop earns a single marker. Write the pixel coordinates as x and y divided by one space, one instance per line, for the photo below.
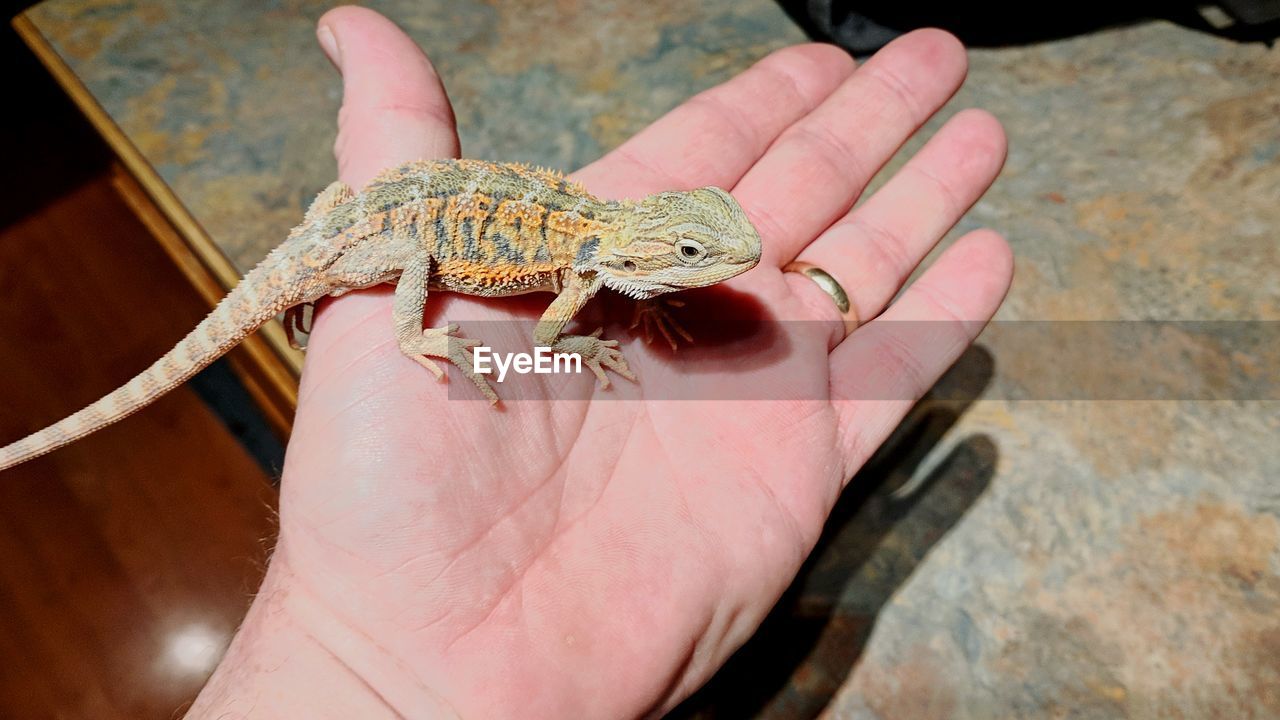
1024 554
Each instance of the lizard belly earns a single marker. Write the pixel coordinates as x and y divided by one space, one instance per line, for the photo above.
489 280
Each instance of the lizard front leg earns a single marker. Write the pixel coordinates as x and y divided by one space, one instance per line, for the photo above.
596 354
442 342
653 314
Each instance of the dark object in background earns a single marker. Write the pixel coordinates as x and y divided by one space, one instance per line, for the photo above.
865 26
46 143
1252 12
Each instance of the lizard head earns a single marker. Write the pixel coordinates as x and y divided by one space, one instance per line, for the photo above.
677 240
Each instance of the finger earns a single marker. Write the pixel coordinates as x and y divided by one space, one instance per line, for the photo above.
817 167
874 249
716 135
394 107
884 367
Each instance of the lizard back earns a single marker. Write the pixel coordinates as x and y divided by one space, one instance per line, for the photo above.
491 229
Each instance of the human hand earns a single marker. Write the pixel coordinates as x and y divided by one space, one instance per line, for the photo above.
601 557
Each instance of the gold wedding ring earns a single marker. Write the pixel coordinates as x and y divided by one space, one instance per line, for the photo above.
823 279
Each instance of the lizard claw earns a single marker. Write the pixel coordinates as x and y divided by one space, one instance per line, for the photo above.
651 314
297 321
609 357
597 355
444 342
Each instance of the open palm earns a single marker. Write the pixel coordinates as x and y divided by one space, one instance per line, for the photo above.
599 553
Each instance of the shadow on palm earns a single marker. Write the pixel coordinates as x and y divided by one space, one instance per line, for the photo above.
893 513
735 336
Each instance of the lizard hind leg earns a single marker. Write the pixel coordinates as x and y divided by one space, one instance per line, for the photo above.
442 342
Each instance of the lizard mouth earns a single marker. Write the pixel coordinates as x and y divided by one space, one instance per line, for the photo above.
647 289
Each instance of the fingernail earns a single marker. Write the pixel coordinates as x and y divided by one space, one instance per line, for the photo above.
329 44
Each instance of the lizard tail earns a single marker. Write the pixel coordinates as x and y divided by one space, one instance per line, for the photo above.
237 315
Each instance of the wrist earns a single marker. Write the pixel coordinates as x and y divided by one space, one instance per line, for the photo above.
291 657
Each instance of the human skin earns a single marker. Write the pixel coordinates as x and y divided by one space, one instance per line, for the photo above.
602 557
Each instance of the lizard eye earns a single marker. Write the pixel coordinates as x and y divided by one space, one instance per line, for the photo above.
690 250
629 266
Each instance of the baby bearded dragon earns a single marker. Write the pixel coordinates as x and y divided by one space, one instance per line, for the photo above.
479 228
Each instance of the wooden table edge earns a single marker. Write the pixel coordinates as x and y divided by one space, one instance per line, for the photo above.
265 362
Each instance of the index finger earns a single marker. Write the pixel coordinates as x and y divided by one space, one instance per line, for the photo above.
715 136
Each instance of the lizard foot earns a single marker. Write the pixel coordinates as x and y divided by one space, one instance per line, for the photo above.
297 321
447 344
597 355
653 314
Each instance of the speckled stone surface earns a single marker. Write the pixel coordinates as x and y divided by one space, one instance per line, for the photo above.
1011 558
234 105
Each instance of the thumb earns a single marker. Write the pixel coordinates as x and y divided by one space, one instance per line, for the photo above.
394 107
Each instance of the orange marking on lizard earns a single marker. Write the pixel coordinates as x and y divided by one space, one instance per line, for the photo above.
463 273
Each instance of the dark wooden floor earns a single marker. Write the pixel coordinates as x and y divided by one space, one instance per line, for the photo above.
128 558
